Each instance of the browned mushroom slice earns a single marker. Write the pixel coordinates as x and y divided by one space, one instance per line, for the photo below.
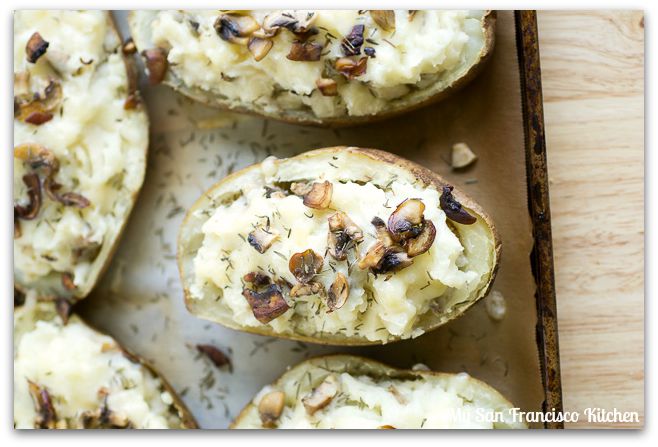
36 47
373 256
267 304
257 279
311 288
43 404
262 238
343 233
31 210
321 396
37 156
305 51
37 108
259 47
156 64
338 292
351 69
453 208
319 197
235 28
351 44
67 198
300 188
298 22
423 242
384 18
129 46
406 221
394 260
328 87
305 265
270 407
382 232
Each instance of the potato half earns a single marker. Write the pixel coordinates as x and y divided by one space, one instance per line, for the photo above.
343 391
80 141
342 246
334 68
68 375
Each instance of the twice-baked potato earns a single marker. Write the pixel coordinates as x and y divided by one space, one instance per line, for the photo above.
328 67
341 246
80 140
342 391
68 375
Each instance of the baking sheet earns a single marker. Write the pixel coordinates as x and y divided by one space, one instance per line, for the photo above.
140 301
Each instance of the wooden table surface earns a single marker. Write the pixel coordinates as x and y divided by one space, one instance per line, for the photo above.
593 81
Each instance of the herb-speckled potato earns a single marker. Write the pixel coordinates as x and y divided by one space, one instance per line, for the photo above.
338 67
343 391
341 246
80 139
68 375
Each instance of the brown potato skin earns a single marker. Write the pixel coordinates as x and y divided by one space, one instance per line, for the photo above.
422 174
358 364
130 78
187 419
488 24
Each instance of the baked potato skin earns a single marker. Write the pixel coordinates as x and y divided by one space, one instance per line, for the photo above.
131 85
47 312
358 365
421 173
488 26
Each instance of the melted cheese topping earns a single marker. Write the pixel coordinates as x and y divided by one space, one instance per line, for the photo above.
361 402
73 362
424 47
100 147
377 306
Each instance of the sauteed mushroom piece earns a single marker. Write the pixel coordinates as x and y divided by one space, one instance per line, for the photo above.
328 87
319 197
311 288
343 233
321 396
266 299
262 238
236 28
305 51
259 47
453 209
407 220
36 47
338 292
305 265
270 407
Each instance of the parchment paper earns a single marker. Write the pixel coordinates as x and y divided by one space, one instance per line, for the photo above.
140 301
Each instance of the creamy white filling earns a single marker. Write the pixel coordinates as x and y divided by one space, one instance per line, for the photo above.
362 403
424 46
378 306
99 145
73 363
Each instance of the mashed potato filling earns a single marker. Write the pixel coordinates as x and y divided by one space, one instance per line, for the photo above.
78 367
419 48
99 146
332 397
378 305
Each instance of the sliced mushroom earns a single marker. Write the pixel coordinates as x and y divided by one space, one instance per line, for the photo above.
103 417
129 47
37 108
311 288
262 238
407 220
156 64
453 209
235 28
37 156
266 301
305 265
270 407
351 44
421 243
67 198
351 69
297 22
382 232
259 47
321 396
373 256
394 260
43 404
462 156
343 233
328 87
305 51
384 18
31 210
369 51
338 293
300 188
319 197
36 47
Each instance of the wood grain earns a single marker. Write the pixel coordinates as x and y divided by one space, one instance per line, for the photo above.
593 80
